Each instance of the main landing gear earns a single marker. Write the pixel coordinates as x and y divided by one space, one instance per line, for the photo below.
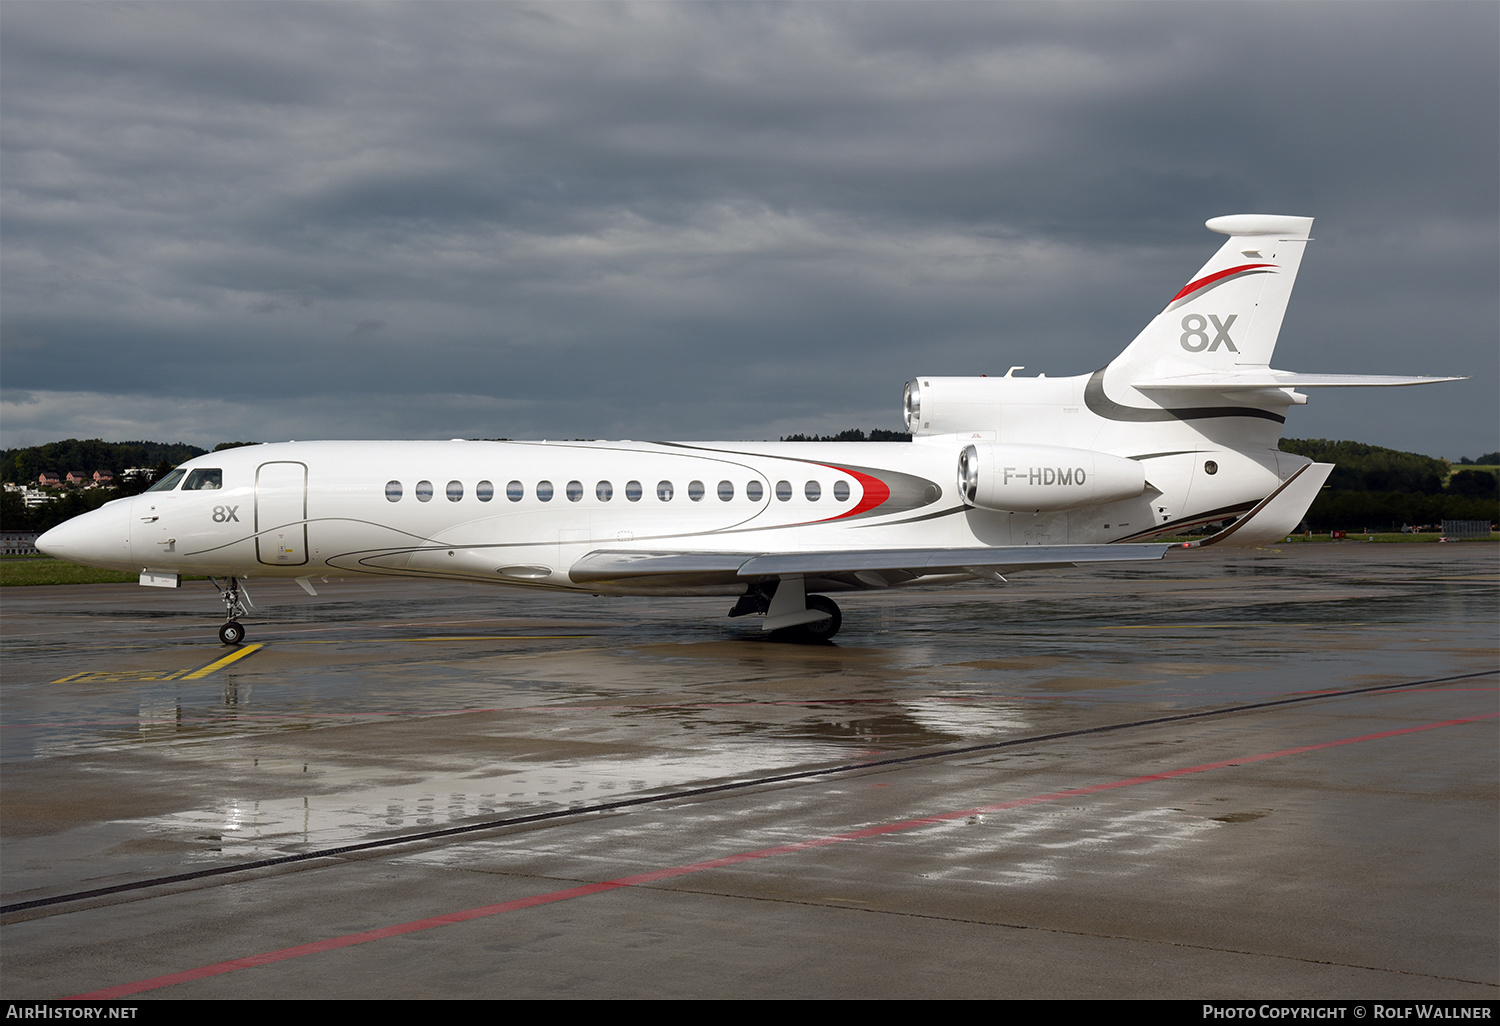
791 614
819 630
236 604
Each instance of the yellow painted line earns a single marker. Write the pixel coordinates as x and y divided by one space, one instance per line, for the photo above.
124 676
219 664
121 676
461 637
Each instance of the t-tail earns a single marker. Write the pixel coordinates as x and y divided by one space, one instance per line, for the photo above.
1228 316
1192 406
1215 338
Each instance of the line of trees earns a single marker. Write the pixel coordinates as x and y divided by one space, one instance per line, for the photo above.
24 465
1384 489
854 435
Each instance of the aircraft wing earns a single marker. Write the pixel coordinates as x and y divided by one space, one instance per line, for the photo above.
624 564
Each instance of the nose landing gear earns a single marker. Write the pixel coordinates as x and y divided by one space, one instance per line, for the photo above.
236 604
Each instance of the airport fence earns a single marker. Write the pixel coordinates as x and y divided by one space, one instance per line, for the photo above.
1455 529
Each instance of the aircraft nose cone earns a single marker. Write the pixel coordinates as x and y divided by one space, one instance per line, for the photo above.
100 537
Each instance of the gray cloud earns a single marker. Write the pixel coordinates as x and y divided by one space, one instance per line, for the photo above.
717 220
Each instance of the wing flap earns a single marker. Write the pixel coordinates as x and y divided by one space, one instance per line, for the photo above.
944 560
624 564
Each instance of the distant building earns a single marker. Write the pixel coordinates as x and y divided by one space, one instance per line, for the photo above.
104 478
49 479
18 543
77 477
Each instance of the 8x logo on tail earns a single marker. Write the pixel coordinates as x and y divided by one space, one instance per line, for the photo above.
1195 333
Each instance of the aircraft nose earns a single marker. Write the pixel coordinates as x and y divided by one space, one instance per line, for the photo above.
100 537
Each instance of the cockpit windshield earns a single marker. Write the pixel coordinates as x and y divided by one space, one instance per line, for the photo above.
169 482
204 480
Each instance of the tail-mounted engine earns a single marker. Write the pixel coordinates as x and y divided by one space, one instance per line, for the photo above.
935 406
1044 478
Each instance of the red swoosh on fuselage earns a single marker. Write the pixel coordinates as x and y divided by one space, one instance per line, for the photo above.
873 492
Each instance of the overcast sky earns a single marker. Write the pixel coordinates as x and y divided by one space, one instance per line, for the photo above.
715 221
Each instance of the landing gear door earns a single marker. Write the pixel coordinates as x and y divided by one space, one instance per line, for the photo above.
281 513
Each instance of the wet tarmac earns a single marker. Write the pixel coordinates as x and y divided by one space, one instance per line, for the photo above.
1062 833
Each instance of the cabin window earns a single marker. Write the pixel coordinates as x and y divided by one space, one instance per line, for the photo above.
393 491
841 491
455 491
726 490
424 491
544 491
695 491
783 490
514 491
813 491
574 491
604 491
664 491
753 491
633 491
169 482
1210 467
484 491
204 481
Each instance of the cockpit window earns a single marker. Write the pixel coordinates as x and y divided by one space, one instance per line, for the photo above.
169 482
204 480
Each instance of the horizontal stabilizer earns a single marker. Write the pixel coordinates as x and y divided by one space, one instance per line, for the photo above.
614 565
1256 378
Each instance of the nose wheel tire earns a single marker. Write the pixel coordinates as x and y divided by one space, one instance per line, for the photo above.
232 633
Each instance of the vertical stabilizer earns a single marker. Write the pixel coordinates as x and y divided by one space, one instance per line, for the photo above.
1229 315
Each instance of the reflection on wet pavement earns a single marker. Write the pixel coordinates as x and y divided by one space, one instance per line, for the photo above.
366 714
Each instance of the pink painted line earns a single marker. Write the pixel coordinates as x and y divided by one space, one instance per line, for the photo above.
800 703
656 875
465 710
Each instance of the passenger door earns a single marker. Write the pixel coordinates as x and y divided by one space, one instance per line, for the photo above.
281 513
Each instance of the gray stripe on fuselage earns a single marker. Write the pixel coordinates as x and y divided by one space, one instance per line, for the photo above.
1103 406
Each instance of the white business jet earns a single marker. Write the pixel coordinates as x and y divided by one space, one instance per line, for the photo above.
1002 474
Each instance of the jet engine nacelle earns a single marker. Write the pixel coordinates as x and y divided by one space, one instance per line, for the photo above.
935 406
1044 478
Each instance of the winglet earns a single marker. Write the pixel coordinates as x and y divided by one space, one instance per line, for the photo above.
1278 514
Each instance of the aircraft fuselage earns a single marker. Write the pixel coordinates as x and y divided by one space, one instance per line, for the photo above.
524 513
